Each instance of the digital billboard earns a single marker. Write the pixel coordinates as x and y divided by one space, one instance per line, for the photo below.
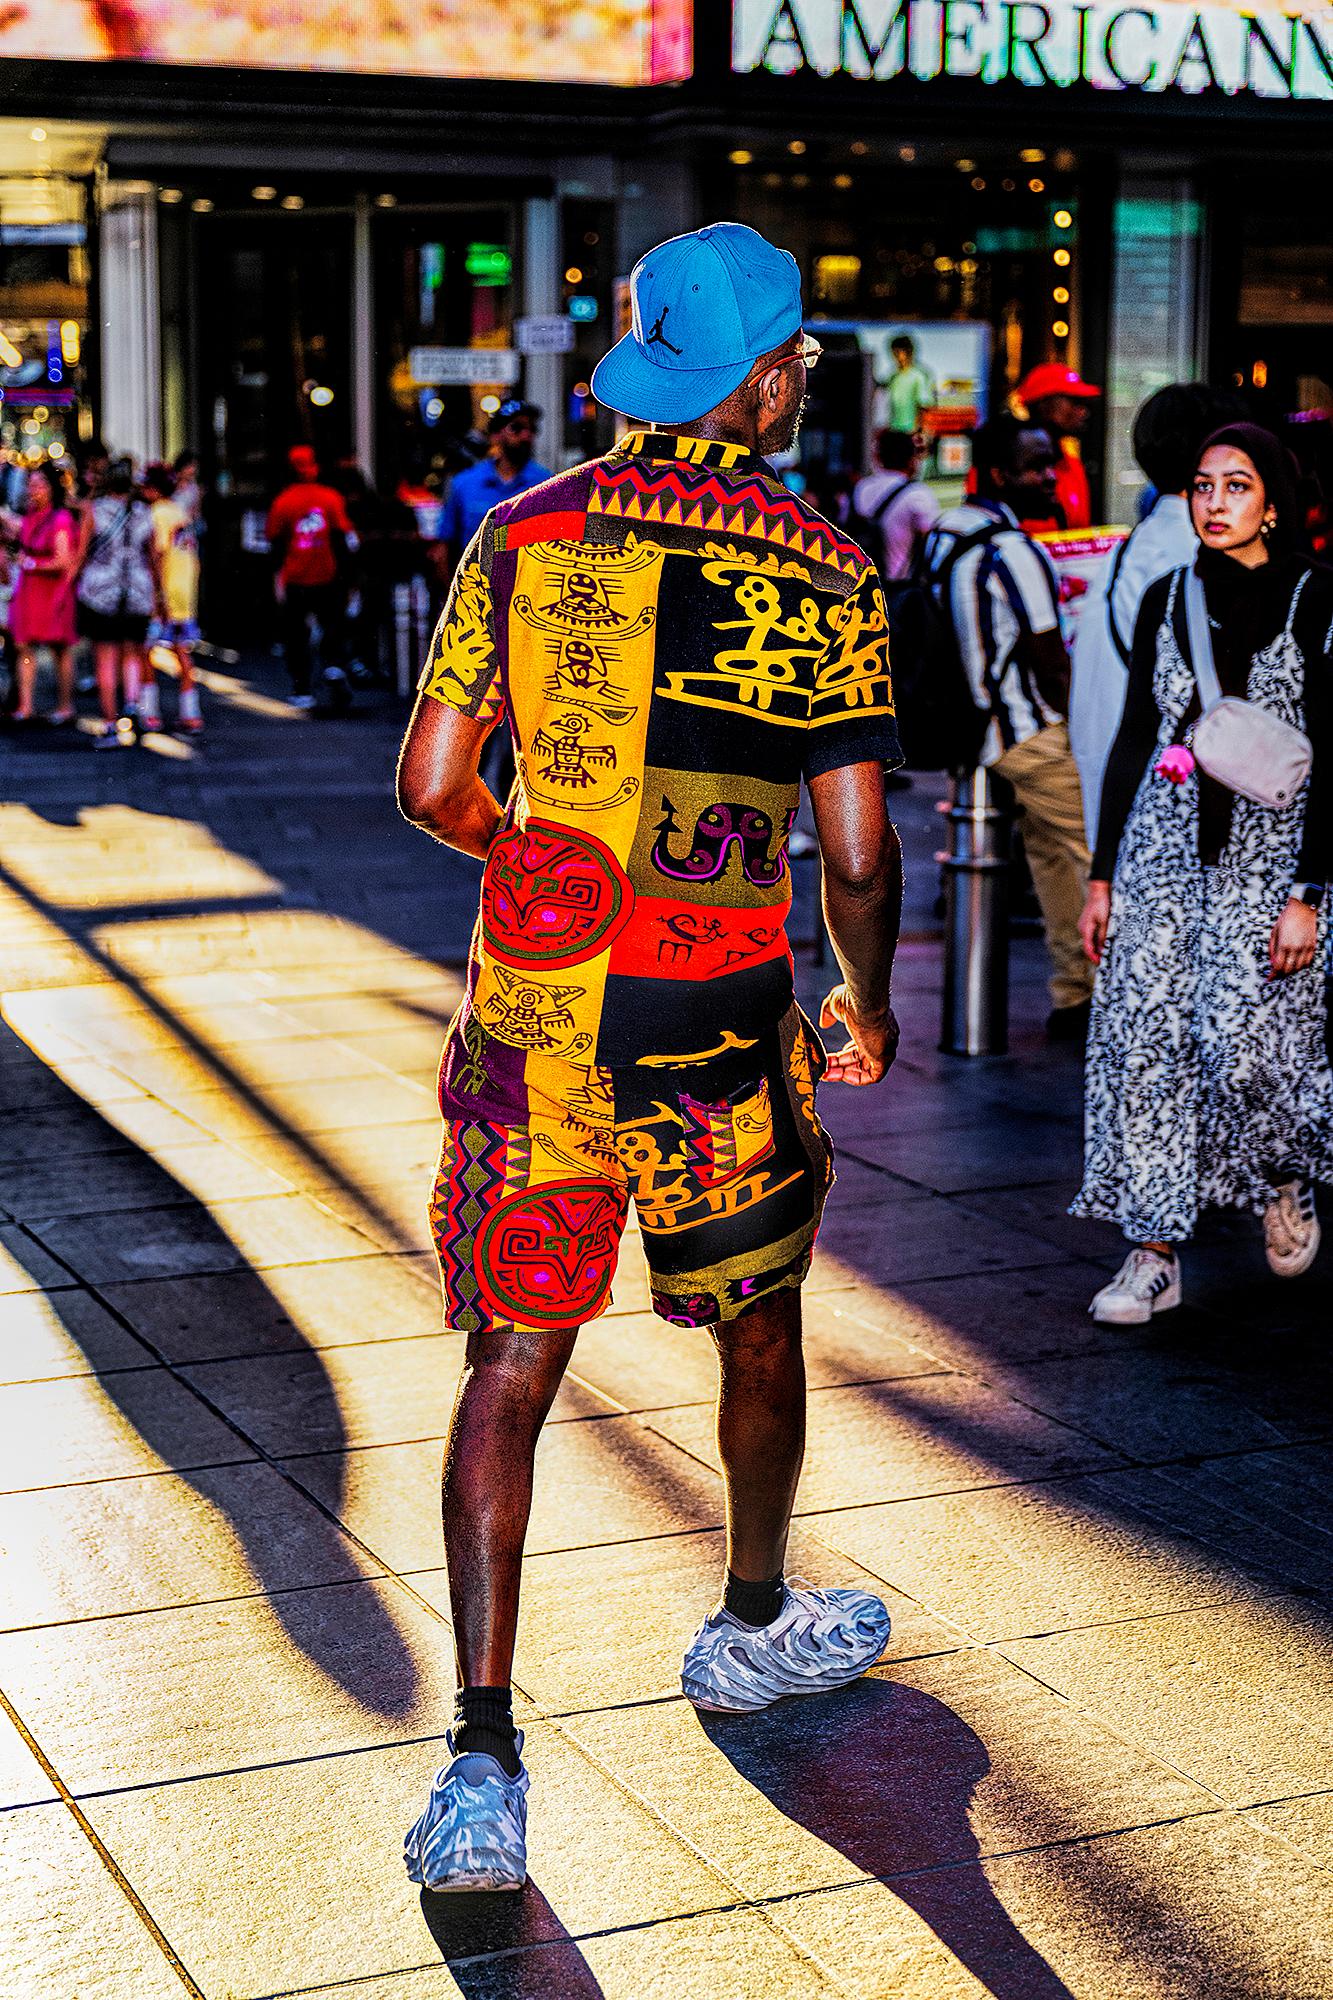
1251 46
531 41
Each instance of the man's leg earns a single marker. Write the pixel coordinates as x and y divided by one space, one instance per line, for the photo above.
508 1384
761 1439
1045 779
295 635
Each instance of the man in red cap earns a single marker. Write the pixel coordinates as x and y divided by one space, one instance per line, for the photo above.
309 533
1059 400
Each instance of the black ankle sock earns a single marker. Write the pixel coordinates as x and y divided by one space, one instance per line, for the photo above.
484 1721
753 1603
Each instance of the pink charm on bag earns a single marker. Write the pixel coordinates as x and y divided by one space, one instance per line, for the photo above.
1176 763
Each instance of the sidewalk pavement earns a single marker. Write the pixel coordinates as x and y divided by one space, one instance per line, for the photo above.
1096 1761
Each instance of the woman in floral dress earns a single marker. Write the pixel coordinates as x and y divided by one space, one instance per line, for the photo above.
1208 1081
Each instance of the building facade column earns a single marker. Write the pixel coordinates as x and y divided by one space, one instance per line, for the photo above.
363 339
1158 330
131 320
544 374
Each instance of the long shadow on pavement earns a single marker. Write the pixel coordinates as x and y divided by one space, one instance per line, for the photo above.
884 1774
324 1551
508 1947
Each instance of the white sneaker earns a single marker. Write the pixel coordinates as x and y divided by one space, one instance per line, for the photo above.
1291 1229
473 1834
1146 1283
820 1639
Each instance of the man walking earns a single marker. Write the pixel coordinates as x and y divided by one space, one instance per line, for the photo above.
1060 402
508 470
1003 602
310 534
677 641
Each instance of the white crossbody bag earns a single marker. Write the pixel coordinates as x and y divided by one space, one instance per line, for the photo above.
1243 746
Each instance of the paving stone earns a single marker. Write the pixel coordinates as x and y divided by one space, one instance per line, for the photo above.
71 1931
35 1084
1240 1699
974 1318
62 1333
25 1265
932 1239
175 1242
290 1309
71 1134
599 1482
107 1427
898 1440
23 1782
125 1545
645 1364
1305 1824
1269 1512
413 1052
665 1586
1043 1212
380 1392
595 1858
1007 1150
157 1696
352 1102
1157 1405
1014 1560
741 1954
121 1181
927 1763
1206 1906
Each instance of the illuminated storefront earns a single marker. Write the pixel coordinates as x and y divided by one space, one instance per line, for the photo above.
363 238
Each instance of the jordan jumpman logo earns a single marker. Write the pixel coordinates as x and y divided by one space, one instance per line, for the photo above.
655 332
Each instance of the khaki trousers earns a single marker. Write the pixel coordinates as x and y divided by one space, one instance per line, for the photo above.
1044 776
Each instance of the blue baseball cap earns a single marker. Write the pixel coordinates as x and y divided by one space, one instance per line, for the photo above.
705 307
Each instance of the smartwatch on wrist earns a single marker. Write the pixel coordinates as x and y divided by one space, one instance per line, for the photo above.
1309 893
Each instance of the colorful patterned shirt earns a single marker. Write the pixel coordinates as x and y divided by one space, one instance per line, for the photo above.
676 641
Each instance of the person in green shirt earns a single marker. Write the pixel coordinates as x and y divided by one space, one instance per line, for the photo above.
910 389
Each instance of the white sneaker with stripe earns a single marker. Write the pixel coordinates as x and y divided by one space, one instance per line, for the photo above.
1291 1229
1146 1283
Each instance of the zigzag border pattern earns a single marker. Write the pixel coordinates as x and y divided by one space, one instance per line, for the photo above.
711 507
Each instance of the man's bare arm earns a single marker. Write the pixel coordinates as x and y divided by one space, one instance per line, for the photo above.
438 786
1050 669
863 899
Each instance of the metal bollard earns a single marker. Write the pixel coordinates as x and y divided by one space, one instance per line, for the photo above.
402 640
976 920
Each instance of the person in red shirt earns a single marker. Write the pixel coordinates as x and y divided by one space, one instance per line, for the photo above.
310 535
1060 401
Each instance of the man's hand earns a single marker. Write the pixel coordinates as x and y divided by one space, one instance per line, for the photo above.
873 1045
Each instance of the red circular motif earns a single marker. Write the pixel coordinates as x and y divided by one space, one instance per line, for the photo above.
545 1256
551 896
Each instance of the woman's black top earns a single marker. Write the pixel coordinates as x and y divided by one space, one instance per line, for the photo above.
1247 608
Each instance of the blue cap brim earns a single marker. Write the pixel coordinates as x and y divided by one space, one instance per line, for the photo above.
625 381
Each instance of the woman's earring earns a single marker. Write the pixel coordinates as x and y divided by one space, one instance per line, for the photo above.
1266 529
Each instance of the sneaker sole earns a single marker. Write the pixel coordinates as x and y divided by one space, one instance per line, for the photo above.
497 1880
1134 1313
1297 1266
706 1699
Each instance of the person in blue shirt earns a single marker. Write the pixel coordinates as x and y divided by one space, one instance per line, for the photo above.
510 470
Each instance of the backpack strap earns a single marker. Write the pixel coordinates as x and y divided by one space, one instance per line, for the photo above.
1200 641
894 493
1118 639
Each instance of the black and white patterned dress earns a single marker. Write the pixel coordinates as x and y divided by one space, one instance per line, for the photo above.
1203 1075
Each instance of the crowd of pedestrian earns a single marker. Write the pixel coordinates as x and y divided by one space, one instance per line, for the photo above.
103 563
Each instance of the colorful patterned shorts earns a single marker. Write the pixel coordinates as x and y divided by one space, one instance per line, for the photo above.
724 1159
